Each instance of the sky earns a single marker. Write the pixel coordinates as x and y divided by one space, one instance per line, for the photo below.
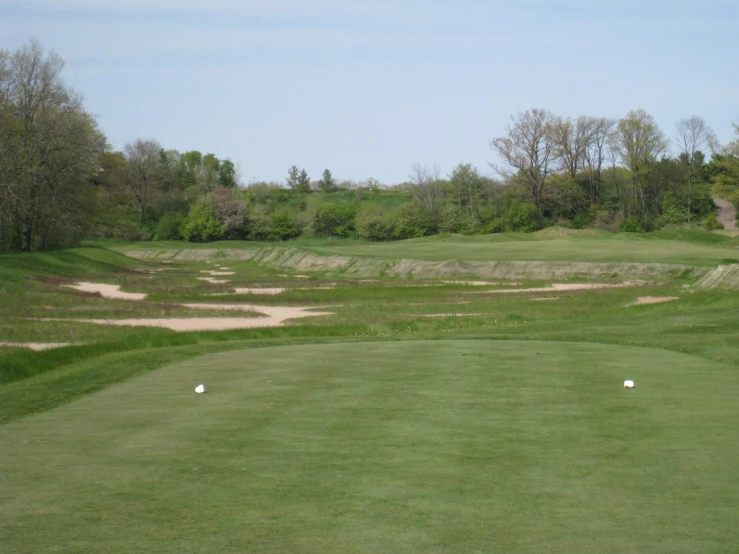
368 88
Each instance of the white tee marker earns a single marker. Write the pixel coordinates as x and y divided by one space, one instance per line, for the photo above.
629 384
200 389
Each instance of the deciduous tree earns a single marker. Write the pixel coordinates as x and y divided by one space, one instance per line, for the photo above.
527 151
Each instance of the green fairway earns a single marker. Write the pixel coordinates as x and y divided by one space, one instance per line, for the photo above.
414 446
693 248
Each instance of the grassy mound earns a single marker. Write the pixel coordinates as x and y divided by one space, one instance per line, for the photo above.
427 446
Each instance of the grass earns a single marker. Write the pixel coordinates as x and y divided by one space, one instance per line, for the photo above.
376 428
420 446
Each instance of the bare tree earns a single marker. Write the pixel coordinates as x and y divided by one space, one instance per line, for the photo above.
595 155
573 137
429 191
528 150
143 161
692 134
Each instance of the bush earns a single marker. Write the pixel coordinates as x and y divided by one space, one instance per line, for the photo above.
201 224
673 213
333 220
634 225
523 218
169 226
373 223
283 227
608 221
711 223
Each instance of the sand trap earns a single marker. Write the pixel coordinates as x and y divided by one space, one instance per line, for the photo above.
218 273
108 291
276 316
564 287
212 280
446 315
654 300
265 291
478 283
303 276
35 345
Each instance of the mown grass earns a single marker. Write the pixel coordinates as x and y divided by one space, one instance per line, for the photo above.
418 446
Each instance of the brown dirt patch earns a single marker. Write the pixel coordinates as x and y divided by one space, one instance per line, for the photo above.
212 280
726 213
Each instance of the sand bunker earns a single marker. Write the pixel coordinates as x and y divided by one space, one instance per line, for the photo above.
446 315
35 345
276 316
478 283
265 291
108 291
218 273
212 280
570 287
654 300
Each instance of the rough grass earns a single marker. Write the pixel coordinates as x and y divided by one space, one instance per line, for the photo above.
441 446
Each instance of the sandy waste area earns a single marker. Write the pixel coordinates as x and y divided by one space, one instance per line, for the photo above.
654 300
218 273
273 316
569 287
108 291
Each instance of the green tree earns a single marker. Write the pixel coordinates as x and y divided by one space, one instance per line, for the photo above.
725 171
293 178
227 174
327 182
303 181
201 224
283 226
640 143
49 148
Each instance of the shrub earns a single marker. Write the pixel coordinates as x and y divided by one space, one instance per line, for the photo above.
283 227
522 217
673 213
373 223
169 226
201 224
711 223
634 225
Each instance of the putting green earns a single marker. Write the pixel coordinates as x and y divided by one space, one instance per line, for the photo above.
418 446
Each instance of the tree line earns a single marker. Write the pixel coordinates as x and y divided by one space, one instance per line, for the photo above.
60 181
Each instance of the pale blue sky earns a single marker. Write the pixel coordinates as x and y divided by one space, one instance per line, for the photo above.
367 88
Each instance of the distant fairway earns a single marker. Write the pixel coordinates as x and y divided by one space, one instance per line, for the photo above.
692 248
417 446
